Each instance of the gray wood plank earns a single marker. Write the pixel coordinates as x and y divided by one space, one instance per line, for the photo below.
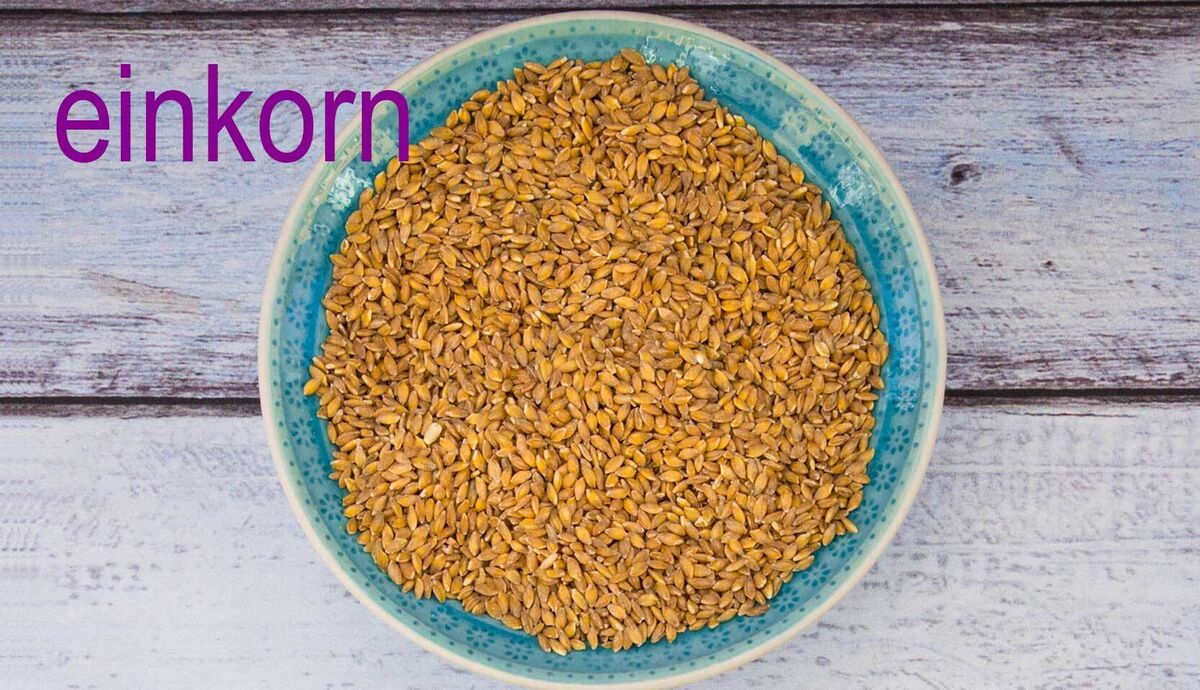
1053 154
231 6
1054 544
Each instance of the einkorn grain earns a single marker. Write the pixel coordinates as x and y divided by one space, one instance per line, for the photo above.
601 365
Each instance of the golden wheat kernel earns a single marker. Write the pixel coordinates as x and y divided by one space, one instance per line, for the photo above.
600 365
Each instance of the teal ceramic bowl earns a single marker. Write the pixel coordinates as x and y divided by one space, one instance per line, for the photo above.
806 126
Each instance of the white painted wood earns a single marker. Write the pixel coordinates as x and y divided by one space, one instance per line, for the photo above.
1055 544
167 6
1053 154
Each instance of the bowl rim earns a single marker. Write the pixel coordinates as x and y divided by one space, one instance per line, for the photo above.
923 446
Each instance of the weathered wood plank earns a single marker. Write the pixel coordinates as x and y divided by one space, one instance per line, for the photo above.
1053 544
1054 156
230 6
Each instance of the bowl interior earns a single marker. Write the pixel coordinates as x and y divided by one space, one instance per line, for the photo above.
806 128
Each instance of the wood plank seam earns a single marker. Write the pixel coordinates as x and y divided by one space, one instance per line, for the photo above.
223 9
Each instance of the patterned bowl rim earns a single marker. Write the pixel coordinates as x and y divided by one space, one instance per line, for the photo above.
923 447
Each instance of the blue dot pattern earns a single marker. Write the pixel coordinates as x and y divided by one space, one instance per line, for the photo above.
802 127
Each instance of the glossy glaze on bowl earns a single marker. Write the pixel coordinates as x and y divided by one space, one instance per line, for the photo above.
805 126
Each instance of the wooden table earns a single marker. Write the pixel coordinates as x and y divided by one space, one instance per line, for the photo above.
1053 152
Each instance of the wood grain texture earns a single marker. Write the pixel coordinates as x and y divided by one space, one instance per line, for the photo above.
1053 545
231 6
1053 155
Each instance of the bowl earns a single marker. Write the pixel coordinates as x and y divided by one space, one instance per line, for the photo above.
807 127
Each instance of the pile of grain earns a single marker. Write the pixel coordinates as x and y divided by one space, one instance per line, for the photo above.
601 365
